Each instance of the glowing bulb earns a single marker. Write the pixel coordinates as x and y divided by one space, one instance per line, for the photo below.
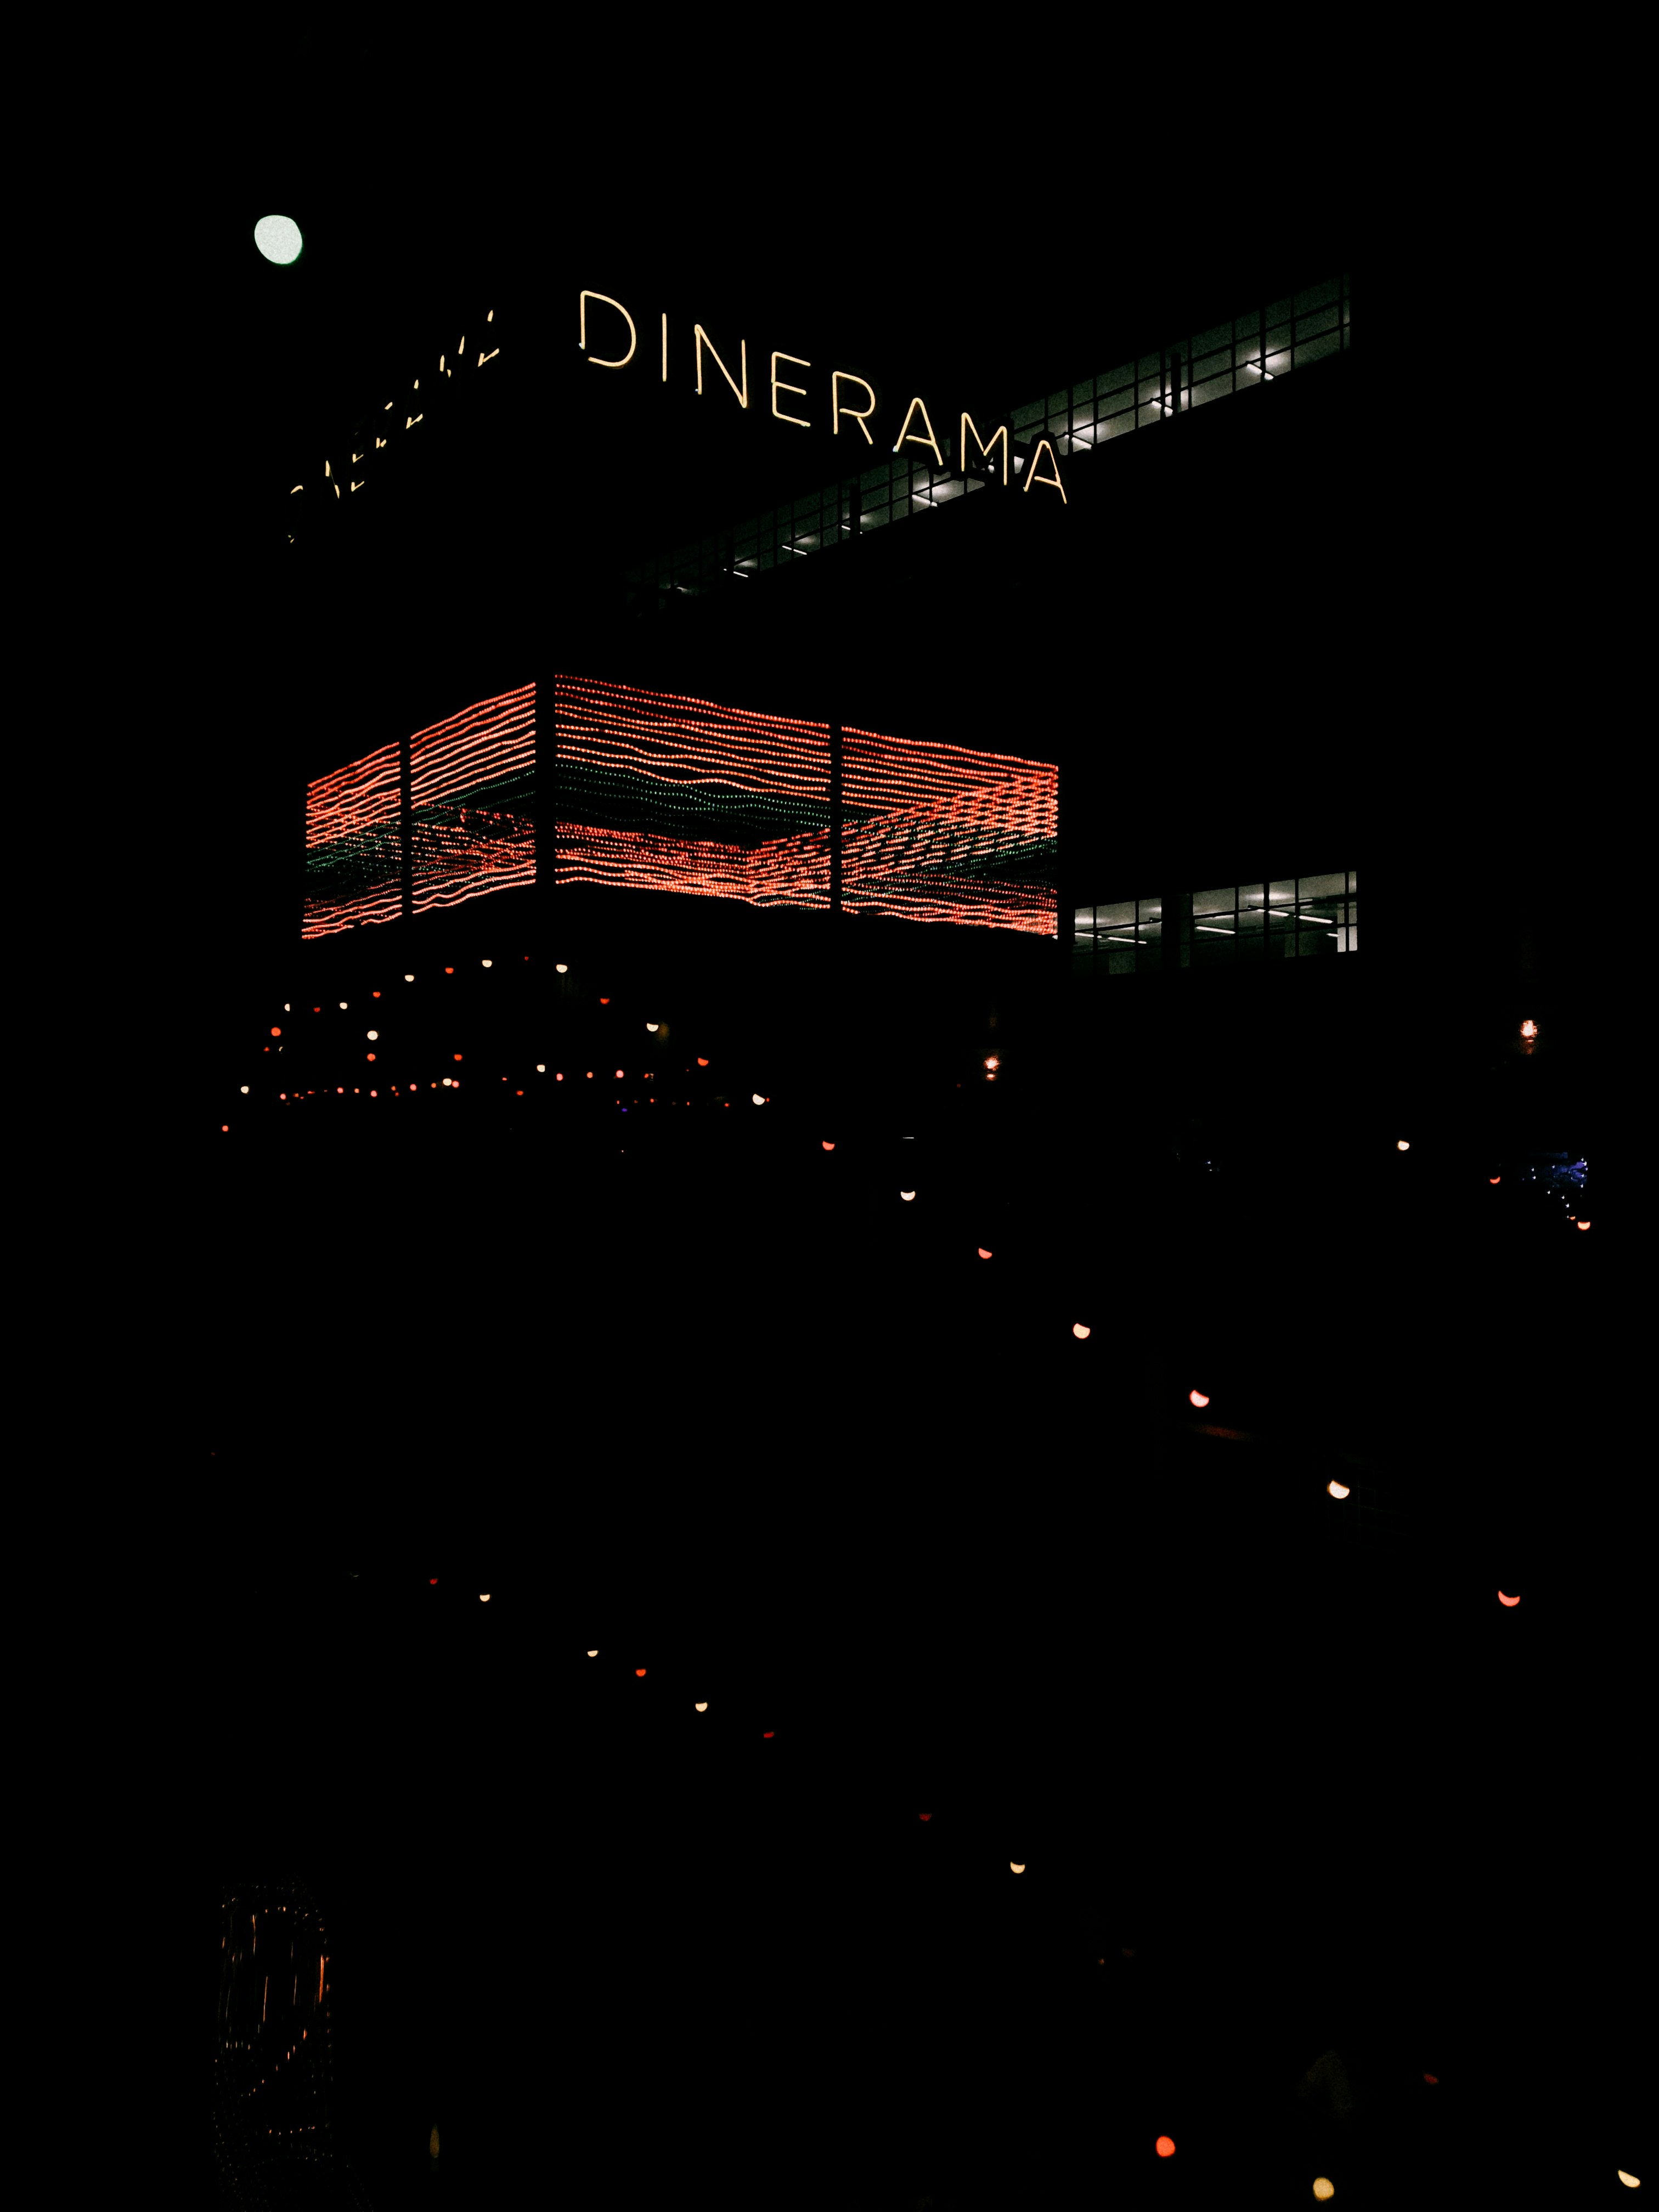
483 1597
1165 2147
984 1253
277 237
758 1100
1197 1398
702 1063
652 1026
1337 1489
245 1091
704 1707
1583 1224
593 1654
993 1062
1528 1029
409 979
907 1194
1079 1330
1402 1147
541 1067
275 1033
374 1036
1323 2189
1016 1866
560 967
342 1005
829 1144
1629 2179
1501 1600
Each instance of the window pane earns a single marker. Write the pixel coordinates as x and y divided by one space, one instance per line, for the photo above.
1318 295
1320 887
1315 349
1115 380
1118 915
1215 388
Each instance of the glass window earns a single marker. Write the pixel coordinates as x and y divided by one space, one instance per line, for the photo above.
1023 418
1309 349
1206 903
1118 915
1321 887
1215 388
1209 342
1317 295
1115 381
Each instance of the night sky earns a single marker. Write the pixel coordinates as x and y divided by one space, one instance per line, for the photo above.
1302 1814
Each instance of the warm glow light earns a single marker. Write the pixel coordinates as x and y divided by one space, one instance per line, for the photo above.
409 979
702 1063
906 1194
924 1816
1197 1398
758 1100
1494 1178
993 1061
1501 1600
245 1091
984 1253
275 1033
560 967
652 1026
374 1036
1583 1224
593 1654
483 1597
1629 2179
1528 1029
704 1707
1077 1329
1016 1866
1337 1489
639 1670
1165 2147
1402 1147
828 1145
541 1067
1323 2189
490 963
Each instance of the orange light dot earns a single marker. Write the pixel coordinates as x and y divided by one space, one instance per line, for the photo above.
374 995
368 1056
1501 1600
604 1002
275 1033
828 1145
449 971
924 1816
1197 1398
984 1253
767 1733
1164 2147
1494 1178
639 1670
1432 2079
1583 1224
458 1055
702 1063
1077 1329
225 1127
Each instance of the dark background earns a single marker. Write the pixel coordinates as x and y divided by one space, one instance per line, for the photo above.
1388 1818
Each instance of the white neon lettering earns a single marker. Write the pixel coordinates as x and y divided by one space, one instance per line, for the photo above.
703 340
800 390
633 334
908 436
970 429
1040 447
858 414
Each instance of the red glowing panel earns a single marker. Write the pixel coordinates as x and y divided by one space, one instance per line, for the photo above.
768 1732
1501 1600
1432 2079
662 792
924 1816
354 846
1165 2147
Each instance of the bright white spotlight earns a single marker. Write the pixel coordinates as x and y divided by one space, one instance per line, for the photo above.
277 237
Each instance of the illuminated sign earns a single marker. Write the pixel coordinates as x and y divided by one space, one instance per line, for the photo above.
917 429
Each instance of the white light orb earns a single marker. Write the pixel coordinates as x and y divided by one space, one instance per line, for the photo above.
1337 1489
1323 2189
907 1194
483 1597
1079 1330
560 967
277 237
1016 1866
652 1026
593 1654
245 1091
409 979
373 1036
758 1100
285 1007
342 1005
1402 1147
541 1067
704 1707
490 963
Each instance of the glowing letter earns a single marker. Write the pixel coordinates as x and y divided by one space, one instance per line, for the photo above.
633 334
702 341
908 435
1031 476
858 414
665 348
799 388
968 430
